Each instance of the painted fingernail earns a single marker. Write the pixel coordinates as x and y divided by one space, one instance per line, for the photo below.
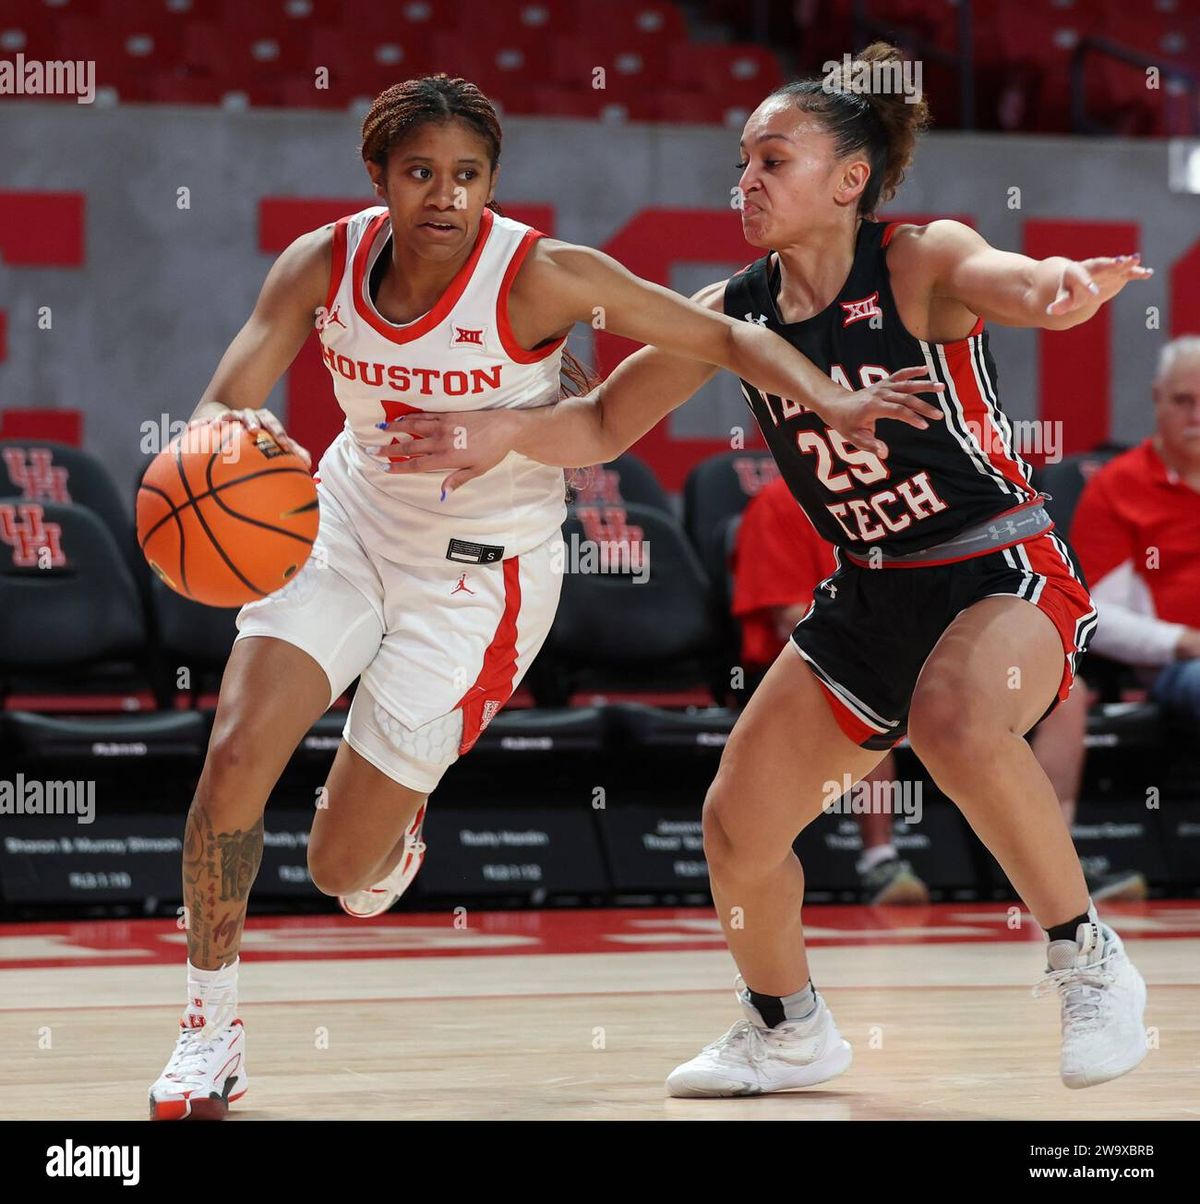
443 498
1093 287
382 426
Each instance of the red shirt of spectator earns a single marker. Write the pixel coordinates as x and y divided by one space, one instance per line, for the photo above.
778 560
1137 520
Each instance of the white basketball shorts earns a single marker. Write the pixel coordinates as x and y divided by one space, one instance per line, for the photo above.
439 649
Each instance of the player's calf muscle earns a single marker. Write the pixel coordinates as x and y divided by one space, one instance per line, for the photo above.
219 867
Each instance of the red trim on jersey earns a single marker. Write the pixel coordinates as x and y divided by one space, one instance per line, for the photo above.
508 340
337 268
978 411
495 681
446 302
891 229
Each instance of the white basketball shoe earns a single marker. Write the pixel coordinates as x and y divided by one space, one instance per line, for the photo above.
206 1071
751 1058
375 900
1103 1002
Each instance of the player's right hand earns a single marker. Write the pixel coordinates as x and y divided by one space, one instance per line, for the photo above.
255 420
854 415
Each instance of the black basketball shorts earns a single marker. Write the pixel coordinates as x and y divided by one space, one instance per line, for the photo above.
870 631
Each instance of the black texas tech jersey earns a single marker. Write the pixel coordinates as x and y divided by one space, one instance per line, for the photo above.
960 471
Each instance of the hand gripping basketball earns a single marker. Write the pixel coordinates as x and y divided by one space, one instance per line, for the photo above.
226 514
254 420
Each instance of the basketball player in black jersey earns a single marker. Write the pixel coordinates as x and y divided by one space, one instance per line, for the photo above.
956 614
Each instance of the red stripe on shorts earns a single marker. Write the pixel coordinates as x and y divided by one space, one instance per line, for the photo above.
1063 599
494 685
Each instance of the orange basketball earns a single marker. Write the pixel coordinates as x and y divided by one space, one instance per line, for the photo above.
225 516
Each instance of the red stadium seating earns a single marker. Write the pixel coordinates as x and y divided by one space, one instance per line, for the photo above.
540 56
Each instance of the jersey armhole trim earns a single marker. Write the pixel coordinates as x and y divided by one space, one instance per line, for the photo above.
337 266
508 340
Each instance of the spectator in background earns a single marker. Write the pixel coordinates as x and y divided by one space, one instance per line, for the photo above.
1137 534
779 560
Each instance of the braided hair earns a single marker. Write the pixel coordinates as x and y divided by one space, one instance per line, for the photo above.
399 110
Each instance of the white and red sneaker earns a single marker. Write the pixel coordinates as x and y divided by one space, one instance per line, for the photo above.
375 900
205 1074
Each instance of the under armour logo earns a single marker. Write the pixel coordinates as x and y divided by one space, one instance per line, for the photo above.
23 529
856 311
464 337
38 478
760 320
462 587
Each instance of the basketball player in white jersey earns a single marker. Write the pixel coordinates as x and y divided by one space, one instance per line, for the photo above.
436 603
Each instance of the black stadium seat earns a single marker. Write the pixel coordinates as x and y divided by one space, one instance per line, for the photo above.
1063 482
715 491
638 725
619 482
537 731
67 597
72 617
616 632
190 635
715 494
40 470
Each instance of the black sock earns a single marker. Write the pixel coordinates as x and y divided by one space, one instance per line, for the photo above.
774 1008
1066 932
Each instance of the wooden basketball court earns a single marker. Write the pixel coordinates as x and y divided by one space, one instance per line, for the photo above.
581 1015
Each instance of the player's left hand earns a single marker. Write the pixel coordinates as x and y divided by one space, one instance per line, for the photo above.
1094 281
469 443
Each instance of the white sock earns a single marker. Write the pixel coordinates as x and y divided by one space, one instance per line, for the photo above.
211 993
872 857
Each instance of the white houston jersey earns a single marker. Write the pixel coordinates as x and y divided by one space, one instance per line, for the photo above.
461 355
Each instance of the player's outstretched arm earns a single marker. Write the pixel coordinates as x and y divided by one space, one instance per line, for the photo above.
576 431
582 284
1011 289
264 348
688 340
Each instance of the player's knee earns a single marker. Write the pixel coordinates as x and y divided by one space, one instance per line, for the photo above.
333 872
717 844
228 767
947 733
728 854
933 720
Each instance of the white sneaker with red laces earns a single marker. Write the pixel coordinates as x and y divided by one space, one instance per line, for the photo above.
375 900
205 1074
